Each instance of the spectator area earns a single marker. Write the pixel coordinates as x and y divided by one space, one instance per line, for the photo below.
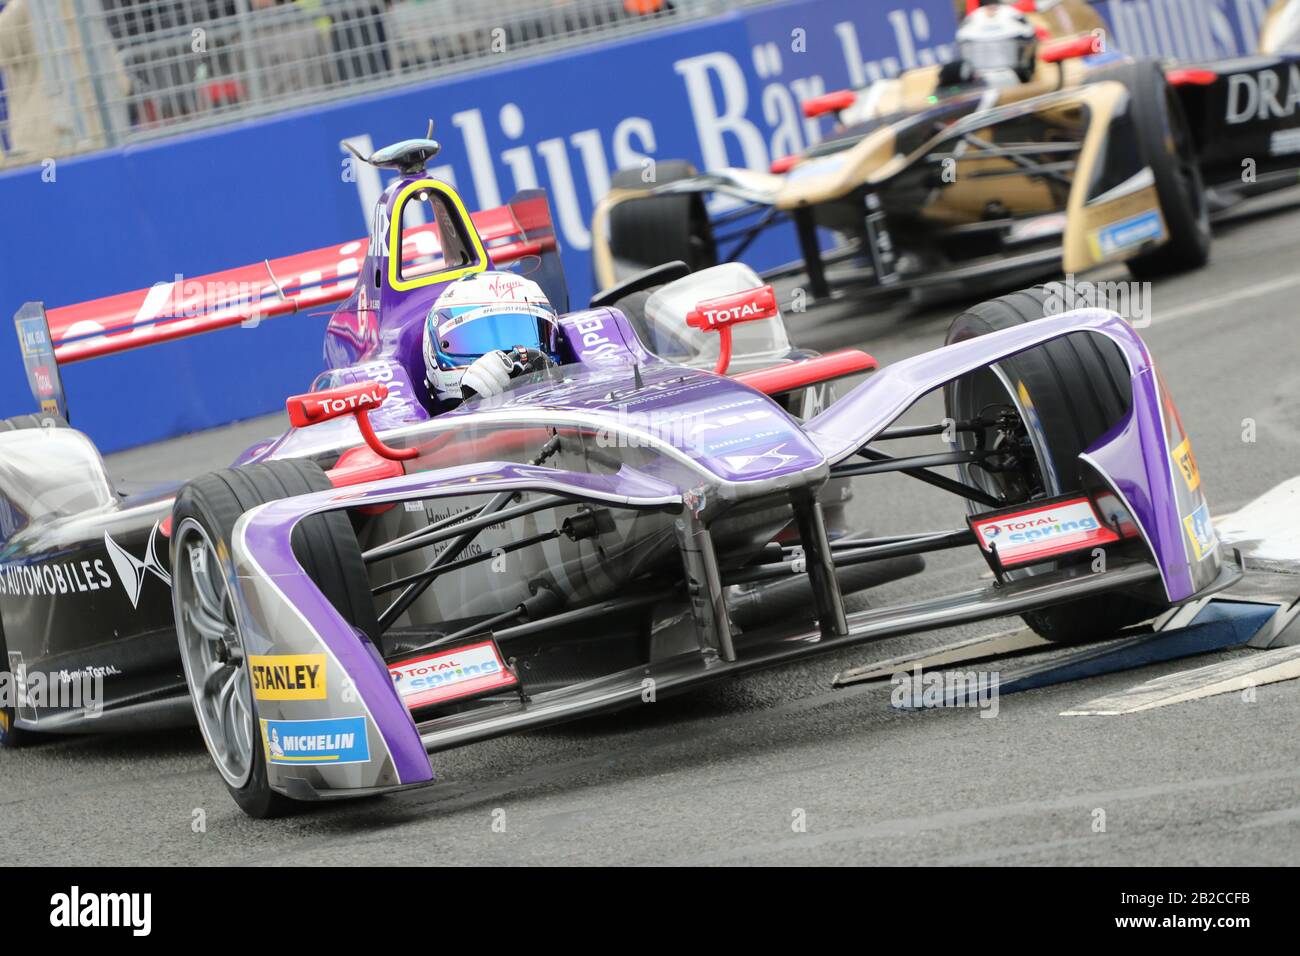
79 75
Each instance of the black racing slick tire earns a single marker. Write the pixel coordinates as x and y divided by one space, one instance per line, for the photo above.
644 233
1078 388
1164 141
204 516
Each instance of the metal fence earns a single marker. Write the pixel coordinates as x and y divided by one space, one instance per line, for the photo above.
78 75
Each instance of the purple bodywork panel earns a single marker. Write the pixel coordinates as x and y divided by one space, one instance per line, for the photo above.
1135 456
725 433
262 550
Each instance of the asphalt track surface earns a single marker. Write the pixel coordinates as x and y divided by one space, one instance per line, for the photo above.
722 775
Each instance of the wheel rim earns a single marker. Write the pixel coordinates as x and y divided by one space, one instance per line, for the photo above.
212 652
990 387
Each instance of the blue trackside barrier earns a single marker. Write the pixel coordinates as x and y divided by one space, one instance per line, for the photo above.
1185 29
724 91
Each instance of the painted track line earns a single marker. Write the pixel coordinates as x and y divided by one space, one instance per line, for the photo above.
1227 299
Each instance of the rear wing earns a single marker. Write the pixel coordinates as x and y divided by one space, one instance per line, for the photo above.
246 295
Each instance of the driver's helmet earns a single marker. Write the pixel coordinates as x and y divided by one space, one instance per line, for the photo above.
481 313
999 43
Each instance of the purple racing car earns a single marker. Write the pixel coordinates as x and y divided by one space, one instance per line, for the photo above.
665 505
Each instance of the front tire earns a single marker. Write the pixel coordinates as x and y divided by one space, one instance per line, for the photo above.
207 623
1165 142
1078 388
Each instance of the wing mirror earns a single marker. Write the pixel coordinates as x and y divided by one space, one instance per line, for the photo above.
720 314
1088 44
356 400
835 103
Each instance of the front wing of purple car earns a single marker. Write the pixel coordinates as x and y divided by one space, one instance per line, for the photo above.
351 733
1146 459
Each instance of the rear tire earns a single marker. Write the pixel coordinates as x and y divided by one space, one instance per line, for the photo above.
644 233
11 737
204 518
1079 388
1160 125
41 420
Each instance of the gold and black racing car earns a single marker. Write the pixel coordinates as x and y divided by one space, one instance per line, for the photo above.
1040 149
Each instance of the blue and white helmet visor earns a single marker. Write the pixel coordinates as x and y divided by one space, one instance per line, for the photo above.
461 333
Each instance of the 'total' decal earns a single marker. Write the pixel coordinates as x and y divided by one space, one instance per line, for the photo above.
1043 532
746 306
461 672
316 407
